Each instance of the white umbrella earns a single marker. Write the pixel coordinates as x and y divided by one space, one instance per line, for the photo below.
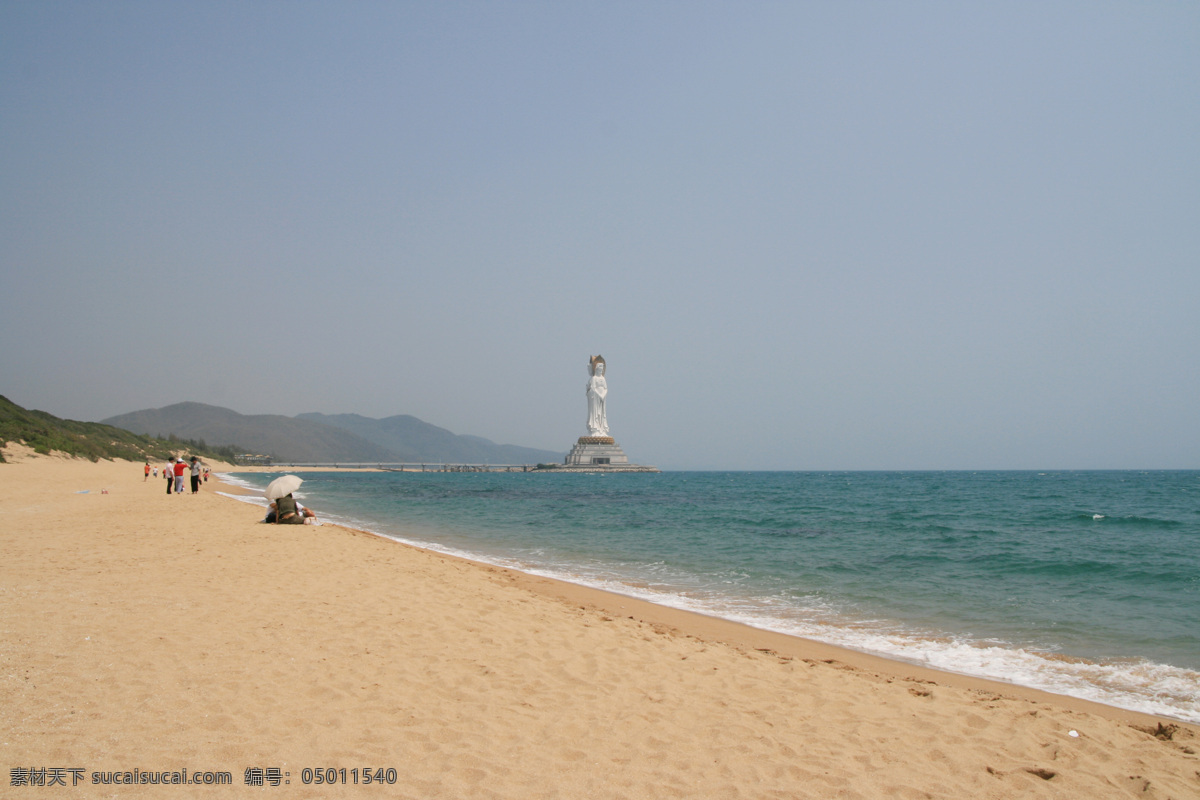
282 487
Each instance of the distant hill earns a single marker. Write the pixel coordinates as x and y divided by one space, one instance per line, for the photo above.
414 440
285 438
321 437
92 440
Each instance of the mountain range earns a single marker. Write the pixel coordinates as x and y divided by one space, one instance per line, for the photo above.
327 438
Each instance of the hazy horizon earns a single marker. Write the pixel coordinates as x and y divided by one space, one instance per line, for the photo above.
804 236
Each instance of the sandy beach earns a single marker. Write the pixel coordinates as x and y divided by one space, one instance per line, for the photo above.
161 633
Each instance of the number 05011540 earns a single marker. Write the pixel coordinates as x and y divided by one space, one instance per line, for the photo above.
357 775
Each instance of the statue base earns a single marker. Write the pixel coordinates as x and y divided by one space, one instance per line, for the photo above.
596 451
596 454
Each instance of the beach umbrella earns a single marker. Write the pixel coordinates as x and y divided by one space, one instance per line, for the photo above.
282 487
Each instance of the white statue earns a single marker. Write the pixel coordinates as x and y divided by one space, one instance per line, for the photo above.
597 390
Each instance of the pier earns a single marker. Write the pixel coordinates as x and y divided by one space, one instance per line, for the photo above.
384 466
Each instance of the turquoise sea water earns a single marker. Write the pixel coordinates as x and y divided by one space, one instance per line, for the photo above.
1082 583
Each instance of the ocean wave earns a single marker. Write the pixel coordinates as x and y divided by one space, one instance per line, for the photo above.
234 480
1132 521
252 499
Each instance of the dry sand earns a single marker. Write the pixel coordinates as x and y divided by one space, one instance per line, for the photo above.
160 633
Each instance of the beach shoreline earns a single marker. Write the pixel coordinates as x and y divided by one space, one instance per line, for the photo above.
746 636
918 586
227 642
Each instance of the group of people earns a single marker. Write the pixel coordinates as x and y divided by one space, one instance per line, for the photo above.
286 510
174 471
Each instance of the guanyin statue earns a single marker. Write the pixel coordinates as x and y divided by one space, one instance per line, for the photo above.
597 391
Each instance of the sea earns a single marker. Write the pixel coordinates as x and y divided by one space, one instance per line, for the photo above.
1081 583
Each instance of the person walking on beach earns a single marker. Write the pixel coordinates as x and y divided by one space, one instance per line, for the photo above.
179 468
147 472
195 475
169 474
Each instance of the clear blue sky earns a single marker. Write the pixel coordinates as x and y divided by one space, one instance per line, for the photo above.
817 235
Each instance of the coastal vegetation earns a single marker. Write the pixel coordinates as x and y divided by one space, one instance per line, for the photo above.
46 433
189 427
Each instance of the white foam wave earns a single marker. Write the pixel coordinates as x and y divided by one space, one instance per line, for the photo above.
252 499
233 480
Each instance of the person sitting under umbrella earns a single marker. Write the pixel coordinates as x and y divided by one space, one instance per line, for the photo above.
285 510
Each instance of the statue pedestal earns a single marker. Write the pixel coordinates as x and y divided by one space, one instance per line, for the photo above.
596 454
596 451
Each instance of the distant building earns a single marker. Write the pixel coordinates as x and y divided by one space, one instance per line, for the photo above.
251 460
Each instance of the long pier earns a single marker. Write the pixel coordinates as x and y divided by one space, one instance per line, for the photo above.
394 466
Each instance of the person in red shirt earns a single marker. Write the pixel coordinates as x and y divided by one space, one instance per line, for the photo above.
179 468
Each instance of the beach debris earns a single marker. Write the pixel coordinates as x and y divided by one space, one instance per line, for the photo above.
1073 734
1041 772
1164 732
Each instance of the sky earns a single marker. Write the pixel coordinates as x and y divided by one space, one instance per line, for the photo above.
803 235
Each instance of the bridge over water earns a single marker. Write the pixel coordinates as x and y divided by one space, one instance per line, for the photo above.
391 466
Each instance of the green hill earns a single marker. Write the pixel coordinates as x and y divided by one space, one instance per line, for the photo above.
283 438
415 440
343 438
92 440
